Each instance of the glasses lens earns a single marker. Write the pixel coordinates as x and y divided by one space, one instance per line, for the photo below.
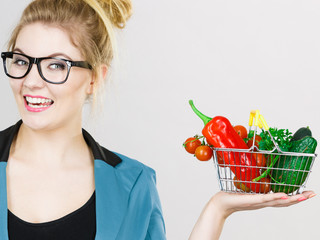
54 70
17 65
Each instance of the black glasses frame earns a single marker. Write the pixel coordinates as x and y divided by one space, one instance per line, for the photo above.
37 61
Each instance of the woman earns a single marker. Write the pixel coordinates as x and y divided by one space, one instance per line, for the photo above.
56 181
61 184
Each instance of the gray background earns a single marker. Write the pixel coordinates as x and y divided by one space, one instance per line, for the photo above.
229 57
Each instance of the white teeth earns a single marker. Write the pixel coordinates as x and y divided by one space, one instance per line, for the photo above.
31 100
37 106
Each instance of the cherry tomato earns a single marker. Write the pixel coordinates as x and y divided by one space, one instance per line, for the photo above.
240 185
204 153
257 140
241 130
264 185
261 160
191 144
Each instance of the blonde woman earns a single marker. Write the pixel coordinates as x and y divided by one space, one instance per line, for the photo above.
56 181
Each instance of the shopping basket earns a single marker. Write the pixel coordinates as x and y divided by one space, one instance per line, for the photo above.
293 179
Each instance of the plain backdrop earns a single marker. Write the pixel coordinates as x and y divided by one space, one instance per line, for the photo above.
230 57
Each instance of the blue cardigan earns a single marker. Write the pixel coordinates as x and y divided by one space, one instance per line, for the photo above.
127 201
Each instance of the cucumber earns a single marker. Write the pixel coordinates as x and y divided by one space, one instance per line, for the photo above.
301 133
291 171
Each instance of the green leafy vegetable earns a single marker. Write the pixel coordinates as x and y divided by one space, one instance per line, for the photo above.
281 136
250 136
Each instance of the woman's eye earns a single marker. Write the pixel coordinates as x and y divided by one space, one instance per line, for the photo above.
20 62
57 66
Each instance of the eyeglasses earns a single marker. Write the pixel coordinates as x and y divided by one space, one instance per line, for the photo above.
51 69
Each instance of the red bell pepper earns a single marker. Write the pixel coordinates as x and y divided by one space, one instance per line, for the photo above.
219 133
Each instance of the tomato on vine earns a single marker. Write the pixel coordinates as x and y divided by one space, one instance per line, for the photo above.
241 130
261 160
191 144
256 142
240 185
265 185
204 153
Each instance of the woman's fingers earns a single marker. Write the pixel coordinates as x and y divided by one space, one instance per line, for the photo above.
283 200
232 202
309 194
290 200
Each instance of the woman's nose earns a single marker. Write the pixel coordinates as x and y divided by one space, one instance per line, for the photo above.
33 79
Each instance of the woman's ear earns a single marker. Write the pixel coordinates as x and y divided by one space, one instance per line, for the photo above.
103 71
101 76
91 86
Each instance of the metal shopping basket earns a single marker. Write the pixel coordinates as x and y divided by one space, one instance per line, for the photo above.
275 177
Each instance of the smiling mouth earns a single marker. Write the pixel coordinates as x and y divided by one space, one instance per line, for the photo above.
34 102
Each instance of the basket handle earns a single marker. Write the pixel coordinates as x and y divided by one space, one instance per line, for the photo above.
261 122
258 120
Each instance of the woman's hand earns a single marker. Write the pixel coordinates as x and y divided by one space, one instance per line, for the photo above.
229 203
222 205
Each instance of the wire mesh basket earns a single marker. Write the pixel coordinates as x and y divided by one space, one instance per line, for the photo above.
282 171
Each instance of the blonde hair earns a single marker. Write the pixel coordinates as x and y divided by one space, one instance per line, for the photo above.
90 24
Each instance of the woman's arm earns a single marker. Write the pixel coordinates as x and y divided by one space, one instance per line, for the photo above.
221 205
210 222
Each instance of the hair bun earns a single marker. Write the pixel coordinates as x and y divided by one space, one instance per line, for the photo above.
118 11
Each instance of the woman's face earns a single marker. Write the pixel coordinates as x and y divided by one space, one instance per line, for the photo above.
65 100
